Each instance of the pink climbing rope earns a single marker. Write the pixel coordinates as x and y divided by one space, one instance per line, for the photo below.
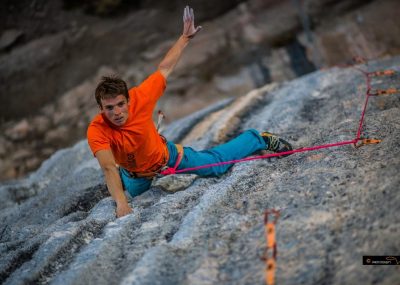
173 170
367 93
266 156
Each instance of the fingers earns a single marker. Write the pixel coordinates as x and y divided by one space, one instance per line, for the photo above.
188 14
189 30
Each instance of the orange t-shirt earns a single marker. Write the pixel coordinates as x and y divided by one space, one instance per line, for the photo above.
136 145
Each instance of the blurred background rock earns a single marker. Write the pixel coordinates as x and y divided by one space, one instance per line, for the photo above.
52 54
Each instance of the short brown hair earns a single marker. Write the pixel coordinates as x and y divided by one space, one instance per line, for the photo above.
111 87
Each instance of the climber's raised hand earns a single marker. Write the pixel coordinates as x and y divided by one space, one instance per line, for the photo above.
188 23
168 63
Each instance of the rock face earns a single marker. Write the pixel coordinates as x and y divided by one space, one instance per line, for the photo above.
58 225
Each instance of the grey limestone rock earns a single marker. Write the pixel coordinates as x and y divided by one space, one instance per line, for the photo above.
58 225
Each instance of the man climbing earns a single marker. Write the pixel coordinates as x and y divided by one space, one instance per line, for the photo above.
124 134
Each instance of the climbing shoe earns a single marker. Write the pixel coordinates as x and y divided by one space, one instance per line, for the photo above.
275 143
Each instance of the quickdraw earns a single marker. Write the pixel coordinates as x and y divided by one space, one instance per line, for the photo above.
366 141
387 72
160 119
270 260
379 92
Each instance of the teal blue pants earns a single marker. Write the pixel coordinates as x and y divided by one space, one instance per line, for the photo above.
243 145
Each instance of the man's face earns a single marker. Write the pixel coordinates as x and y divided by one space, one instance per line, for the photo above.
115 109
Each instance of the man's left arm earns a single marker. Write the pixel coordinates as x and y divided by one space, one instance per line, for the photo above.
189 31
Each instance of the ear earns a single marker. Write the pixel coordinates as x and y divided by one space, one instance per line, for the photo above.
100 107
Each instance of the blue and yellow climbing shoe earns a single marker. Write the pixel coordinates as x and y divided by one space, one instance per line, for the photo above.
275 143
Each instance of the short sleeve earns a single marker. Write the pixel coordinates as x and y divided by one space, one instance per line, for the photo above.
97 139
152 87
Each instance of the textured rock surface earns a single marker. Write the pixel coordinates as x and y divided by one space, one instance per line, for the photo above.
58 225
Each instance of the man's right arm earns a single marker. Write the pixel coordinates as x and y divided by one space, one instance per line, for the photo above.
113 180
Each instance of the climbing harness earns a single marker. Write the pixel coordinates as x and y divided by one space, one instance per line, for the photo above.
270 259
151 173
172 170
